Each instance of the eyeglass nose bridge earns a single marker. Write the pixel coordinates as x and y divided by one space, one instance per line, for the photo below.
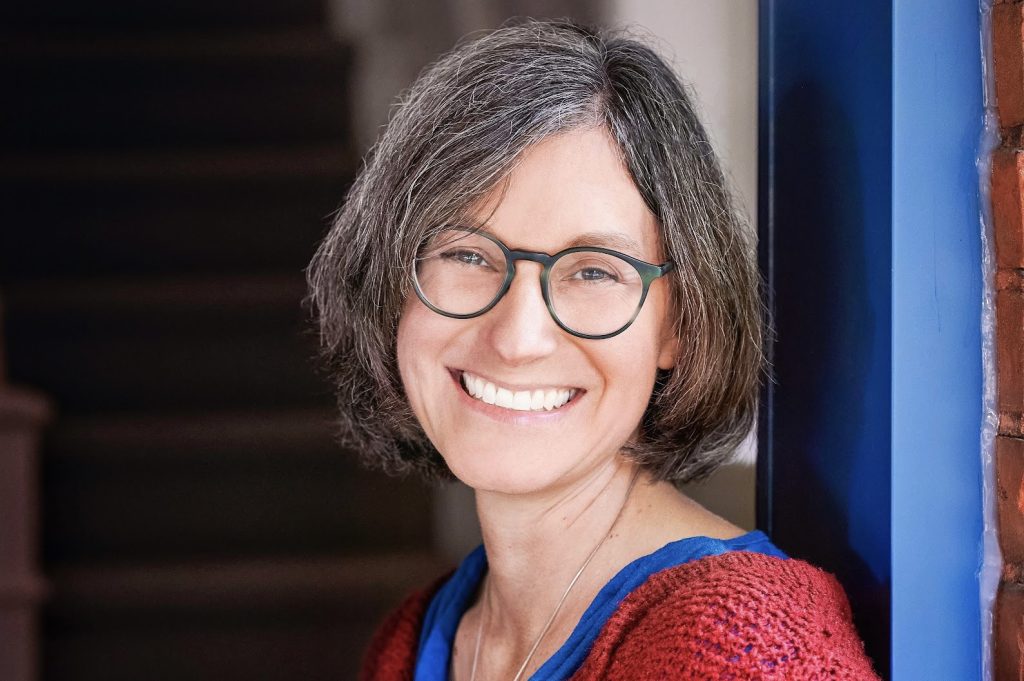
546 261
533 256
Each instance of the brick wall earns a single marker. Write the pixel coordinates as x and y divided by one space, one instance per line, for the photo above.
1008 217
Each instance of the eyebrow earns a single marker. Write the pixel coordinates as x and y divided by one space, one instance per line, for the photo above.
614 240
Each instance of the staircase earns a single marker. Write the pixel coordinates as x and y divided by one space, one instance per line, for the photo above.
165 174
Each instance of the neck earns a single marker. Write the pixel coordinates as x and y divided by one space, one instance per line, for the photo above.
536 544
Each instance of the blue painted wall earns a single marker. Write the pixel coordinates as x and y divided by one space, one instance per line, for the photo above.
936 351
869 465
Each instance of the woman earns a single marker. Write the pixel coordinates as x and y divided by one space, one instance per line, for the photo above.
539 285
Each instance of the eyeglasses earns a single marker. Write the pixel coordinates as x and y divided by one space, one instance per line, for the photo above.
591 292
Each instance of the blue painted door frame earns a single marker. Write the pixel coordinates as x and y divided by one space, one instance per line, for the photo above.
869 465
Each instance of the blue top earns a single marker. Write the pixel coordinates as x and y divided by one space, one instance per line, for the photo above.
454 596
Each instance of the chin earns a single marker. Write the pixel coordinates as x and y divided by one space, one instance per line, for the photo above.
505 471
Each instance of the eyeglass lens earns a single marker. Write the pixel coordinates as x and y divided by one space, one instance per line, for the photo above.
590 292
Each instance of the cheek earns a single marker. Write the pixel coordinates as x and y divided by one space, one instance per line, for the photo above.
631 364
664 321
635 381
403 344
412 345
628 369
422 341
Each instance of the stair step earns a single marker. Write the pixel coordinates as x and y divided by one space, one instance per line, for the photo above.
133 214
145 301
286 42
273 621
255 164
256 584
260 508
244 483
167 90
125 15
148 344
193 439
317 647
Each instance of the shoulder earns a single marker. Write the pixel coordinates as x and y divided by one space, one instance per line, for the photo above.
740 613
391 654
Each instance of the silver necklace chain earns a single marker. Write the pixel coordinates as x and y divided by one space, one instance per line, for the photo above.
561 601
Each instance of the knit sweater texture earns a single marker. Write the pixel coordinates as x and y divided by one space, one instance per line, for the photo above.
730 617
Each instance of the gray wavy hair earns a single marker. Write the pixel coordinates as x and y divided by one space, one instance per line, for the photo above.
452 138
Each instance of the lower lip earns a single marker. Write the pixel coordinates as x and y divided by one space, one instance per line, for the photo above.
513 416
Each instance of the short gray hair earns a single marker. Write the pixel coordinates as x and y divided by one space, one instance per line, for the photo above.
452 138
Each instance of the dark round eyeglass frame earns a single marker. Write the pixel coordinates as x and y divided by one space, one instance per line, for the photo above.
648 273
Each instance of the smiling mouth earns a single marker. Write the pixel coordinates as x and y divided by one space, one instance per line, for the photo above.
539 399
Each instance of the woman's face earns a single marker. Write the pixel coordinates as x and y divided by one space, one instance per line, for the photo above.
567 189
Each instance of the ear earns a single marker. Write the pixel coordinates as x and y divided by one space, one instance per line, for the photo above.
669 350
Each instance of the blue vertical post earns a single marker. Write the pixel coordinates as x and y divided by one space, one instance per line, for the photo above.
826 203
936 345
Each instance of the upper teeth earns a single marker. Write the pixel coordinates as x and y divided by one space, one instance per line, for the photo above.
521 400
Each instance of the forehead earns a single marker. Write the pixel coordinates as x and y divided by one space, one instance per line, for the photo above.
570 188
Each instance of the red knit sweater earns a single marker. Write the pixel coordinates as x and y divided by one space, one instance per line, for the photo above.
734 616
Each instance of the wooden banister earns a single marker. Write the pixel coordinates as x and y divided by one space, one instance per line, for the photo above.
22 588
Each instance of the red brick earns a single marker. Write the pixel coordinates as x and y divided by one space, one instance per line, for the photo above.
1010 498
1010 342
1009 625
1008 207
1011 425
1008 55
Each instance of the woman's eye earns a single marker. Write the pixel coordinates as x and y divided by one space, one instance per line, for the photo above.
595 274
465 257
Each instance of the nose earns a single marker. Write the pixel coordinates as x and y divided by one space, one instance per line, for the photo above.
520 328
